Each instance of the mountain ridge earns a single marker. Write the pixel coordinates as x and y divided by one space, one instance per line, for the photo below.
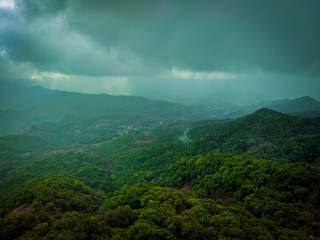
38 104
302 105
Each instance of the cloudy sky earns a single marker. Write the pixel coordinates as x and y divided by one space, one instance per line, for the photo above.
185 51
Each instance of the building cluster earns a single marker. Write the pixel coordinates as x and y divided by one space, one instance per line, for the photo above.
137 127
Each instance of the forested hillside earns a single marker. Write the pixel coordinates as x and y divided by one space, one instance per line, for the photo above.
265 134
255 177
20 109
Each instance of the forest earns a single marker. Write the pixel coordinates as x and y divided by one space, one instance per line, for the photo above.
253 177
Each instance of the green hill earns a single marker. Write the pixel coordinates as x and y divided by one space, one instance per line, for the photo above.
264 134
120 174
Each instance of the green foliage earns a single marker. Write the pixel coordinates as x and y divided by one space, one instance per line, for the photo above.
256 177
84 166
283 192
263 134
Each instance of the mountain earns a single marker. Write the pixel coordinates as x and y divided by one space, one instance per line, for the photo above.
263 134
306 106
297 105
23 108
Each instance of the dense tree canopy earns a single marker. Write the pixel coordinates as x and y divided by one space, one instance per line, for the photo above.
257 177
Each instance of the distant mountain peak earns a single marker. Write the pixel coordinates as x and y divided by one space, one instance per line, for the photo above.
262 115
264 111
305 98
301 104
305 105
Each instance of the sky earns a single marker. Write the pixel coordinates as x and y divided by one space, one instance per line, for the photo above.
216 52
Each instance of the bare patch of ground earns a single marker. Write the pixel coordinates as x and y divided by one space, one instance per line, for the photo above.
144 141
25 154
22 210
153 181
187 186
220 195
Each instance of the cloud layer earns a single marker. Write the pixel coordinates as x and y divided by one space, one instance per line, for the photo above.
251 49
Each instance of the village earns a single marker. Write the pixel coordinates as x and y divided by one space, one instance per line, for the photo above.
137 128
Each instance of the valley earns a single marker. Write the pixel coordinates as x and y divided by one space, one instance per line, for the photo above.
100 175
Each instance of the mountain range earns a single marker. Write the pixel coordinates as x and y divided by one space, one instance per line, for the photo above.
22 108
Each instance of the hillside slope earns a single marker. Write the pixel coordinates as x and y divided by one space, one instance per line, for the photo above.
60 184
265 134
23 108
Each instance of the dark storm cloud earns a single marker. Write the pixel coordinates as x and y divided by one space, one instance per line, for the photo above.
46 41
158 43
202 35
210 35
